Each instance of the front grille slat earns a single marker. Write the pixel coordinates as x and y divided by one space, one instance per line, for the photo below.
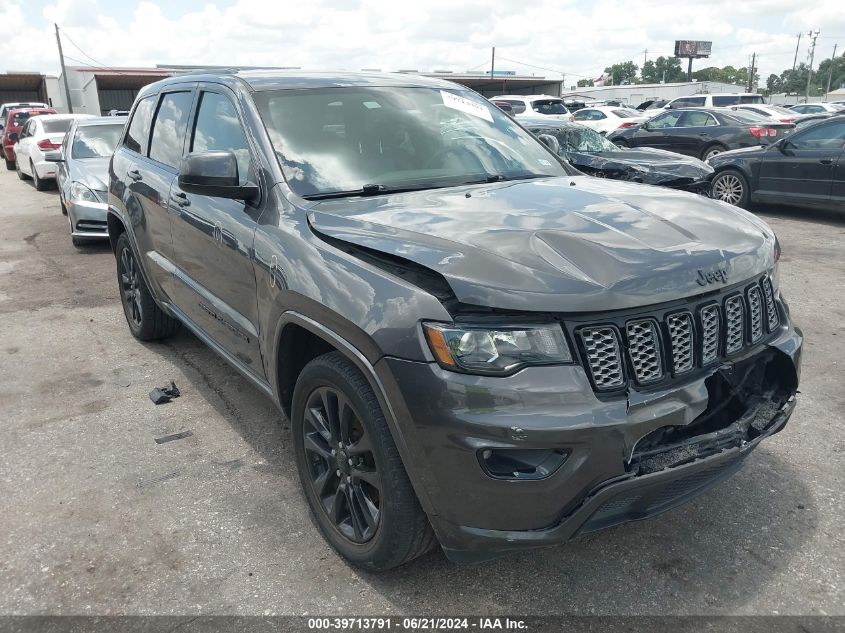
772 318
681 337
603 356
673 341
734 324
644 350
755 314
711 333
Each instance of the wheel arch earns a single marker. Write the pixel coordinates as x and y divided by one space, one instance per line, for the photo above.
298 340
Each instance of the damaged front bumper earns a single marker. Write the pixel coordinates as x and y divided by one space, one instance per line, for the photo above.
599 461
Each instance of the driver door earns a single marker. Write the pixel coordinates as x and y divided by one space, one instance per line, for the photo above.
799 170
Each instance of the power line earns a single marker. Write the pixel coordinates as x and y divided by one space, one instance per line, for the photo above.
79 48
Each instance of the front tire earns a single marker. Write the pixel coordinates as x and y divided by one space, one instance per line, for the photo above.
146 320
732 187
351 471
621 144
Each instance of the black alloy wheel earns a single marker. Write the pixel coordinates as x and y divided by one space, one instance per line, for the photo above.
130 292
343 472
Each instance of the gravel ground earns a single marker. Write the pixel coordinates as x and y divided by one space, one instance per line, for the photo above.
97 518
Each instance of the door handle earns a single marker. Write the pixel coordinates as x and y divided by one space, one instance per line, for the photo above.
181 199
826 161
134 174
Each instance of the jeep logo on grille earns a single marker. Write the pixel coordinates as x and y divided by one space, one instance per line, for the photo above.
712 276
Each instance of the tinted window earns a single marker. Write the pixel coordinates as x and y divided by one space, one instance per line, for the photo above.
169 128
549 106
827 136
139 127
56 126
684 102
217 127
93 141
751 99
696 119
668 119
582 115
625 114
726 100
518 106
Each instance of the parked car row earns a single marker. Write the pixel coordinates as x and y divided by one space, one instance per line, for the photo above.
72 149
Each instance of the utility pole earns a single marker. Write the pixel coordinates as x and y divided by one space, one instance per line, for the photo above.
645 57
64 71
492 63
751 72
814 35
830 72
795 60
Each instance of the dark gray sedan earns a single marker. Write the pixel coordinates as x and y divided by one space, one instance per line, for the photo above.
83 174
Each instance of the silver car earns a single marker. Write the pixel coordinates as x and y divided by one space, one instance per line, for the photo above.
83 174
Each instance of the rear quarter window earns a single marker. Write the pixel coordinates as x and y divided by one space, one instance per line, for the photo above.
139 126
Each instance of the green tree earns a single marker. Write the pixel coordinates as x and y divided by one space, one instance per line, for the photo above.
585 83
774 84
666 69
623 73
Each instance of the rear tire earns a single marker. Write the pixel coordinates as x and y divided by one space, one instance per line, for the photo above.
10 165
620 143
369 513
146 320
40 183
731 186
712 150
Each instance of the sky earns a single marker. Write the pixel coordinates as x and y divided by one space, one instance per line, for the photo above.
550 38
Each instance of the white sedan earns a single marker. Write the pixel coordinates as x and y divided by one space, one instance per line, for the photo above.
606 119
39 135
776 112
817 108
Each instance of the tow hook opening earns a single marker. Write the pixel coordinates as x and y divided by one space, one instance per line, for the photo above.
745 398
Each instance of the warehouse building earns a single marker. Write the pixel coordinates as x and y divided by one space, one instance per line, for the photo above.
99 90
637 93
27 86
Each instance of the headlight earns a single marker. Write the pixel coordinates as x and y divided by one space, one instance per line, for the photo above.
502 350
81 193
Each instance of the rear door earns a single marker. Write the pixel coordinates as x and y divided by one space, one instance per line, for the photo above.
213 237
151 152
22 148
800 170
696 130
660 132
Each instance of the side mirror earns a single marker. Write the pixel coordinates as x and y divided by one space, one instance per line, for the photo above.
550 141
214 174
13 137
645 126
784 146
54 157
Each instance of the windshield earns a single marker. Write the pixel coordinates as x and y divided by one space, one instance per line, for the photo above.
56 126
94 141
549 106
781 110
344 139
576 139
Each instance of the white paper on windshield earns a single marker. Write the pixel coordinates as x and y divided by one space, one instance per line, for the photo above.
465 105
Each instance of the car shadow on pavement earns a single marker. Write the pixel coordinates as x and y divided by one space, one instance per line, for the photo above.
712 555
816 216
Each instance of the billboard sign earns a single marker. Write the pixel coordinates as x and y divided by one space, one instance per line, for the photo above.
692 48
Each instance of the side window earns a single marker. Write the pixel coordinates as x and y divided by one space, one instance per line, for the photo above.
169 126
696 119
583 115
669 119
217 127
139 127
826 136
518 106
599 115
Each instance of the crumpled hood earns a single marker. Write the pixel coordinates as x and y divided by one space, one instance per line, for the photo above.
92 172
651 166
560 244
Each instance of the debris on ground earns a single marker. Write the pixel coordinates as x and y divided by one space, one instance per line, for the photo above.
160 395
173 436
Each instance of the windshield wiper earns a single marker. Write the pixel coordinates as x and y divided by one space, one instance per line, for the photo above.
365 190
502 178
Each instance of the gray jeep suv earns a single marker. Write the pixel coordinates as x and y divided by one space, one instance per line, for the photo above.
477 346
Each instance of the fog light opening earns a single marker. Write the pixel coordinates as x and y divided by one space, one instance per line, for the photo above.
521 463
